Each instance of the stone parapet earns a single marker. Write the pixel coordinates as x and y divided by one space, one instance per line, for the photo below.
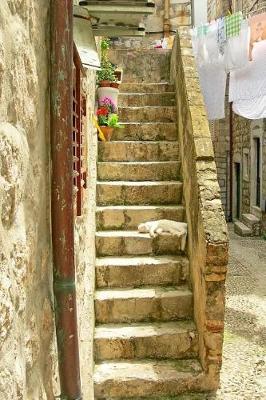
207 239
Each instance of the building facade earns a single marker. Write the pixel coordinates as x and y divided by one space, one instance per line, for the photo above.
239 143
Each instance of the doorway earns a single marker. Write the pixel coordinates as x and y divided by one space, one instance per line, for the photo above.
237 190
257 167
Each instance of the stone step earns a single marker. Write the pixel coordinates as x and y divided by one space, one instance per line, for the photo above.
143 304
138 171
129 217
139 193
172 340
146 131
146 99
147 114
146 87
119 243
138 151
252 222
127 379
141 271
242 229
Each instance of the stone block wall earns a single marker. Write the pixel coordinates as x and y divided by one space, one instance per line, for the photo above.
180 15
27 356
207 231
241 127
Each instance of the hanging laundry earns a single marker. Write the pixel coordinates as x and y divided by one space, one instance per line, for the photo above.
251 109
213 83
257 30
211 70
221 35
237 49
233 24
247 88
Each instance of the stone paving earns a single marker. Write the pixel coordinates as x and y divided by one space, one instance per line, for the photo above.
243 374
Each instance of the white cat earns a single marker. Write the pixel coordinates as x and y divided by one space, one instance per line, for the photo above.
165 226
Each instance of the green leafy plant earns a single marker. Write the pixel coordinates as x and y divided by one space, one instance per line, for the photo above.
113 121
107 71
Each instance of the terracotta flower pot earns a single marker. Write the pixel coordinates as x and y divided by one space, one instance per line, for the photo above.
107 131
105 84
115 85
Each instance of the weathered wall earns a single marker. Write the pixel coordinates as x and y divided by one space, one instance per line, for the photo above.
241 127
85 248
207 231
179 13
26 318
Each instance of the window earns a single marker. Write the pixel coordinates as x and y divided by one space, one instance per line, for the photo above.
78 136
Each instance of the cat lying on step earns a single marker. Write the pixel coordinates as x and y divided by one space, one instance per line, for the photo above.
165 226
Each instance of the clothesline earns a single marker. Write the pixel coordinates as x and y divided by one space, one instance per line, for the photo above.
234 45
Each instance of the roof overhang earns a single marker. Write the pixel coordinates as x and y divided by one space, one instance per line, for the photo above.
114 18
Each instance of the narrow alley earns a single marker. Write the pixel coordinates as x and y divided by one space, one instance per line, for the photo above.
133 200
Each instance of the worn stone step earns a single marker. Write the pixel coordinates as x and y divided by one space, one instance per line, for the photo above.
138 171
148 114
118 243
242 229
172 340
143 304
146 99
139 193
138 151
146 131
141 271
252 222
128 379
146 87
129 217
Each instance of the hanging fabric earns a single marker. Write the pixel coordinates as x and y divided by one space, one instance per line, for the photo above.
257 30
233 24
221 35
213 83
211 70
247 87
237 49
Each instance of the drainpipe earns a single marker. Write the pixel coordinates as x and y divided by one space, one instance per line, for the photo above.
62 198
166 22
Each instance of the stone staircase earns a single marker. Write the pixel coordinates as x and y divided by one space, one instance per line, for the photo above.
145 343
250 225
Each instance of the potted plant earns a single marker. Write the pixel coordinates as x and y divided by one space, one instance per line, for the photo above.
108 119
106 74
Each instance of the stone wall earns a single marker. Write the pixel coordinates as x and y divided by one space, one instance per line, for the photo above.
28 357
26 316
207 231
179 12
241 128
